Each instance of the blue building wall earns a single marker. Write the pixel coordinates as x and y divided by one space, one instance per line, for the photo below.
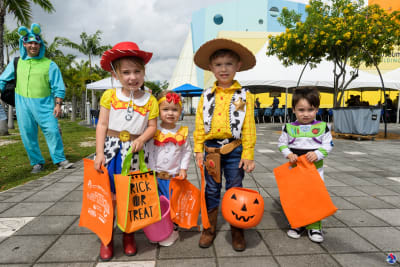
238 15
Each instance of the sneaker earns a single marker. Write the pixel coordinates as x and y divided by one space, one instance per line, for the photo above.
295 232
64 164
170 240
37 168
315 235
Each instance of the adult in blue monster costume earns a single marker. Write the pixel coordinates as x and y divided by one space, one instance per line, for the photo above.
38 97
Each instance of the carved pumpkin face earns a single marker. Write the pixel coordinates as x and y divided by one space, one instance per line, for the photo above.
242 207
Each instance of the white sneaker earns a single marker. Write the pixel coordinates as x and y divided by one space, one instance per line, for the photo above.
37 168
169 241
315 235
64 164
295 232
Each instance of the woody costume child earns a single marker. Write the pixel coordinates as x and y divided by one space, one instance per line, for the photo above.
225 128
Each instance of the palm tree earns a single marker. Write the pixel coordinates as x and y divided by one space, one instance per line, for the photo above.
54 53
90 46
22 11
11 43
75 80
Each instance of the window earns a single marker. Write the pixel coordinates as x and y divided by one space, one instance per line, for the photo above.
274 11
218 19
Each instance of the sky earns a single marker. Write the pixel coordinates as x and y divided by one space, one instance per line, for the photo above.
158 26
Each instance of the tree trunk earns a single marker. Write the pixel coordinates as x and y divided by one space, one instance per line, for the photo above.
94 100
10 117
3 128
73 112
83 106
3 123
2 18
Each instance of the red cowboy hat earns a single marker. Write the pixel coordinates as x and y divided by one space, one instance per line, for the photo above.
123 49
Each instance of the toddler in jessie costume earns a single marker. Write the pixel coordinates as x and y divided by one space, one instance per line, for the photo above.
306 136
170 149
225 128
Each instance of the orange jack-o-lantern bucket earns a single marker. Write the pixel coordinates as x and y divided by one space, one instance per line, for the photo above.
242 207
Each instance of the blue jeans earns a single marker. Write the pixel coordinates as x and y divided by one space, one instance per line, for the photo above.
163 187
230 169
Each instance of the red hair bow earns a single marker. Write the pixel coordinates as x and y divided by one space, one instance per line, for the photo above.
173 97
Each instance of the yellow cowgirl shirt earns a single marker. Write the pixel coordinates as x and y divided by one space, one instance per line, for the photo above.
220 125
143 110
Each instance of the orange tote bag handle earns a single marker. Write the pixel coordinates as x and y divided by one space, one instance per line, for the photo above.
204 215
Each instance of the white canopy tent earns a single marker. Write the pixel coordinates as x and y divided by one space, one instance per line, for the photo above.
269 72
104 84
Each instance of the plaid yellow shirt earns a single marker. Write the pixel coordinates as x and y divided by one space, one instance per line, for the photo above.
220 125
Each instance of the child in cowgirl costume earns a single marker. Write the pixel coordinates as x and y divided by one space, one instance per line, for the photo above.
128 118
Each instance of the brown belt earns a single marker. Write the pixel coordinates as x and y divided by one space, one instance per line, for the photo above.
165 175
123 135
225 149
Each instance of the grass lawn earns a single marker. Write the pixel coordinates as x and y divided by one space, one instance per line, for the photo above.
15 169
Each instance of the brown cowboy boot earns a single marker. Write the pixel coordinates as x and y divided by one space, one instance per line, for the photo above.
208 235
238 241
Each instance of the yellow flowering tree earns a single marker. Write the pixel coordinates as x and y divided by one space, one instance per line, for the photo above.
345 32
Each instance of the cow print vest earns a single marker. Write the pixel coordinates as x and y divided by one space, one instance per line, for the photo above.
236 116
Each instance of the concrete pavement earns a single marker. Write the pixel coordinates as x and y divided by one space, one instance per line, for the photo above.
39 220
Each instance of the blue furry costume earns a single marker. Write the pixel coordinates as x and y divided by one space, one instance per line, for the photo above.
39 82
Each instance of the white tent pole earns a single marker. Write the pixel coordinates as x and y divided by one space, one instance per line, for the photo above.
285 105
86 115
398 108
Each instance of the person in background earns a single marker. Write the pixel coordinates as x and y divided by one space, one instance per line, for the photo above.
182 109
257 104
275 103
38 98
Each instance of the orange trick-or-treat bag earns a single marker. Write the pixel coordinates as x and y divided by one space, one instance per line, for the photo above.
184 203
304 197
138 203
97 208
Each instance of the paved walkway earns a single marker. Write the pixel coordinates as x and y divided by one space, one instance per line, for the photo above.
39 220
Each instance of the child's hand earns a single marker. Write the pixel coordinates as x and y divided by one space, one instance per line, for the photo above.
247 164
98 161
137 145
292 158
199 159
311 156
183 173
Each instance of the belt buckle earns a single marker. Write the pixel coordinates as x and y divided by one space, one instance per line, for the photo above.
124 136
163 175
